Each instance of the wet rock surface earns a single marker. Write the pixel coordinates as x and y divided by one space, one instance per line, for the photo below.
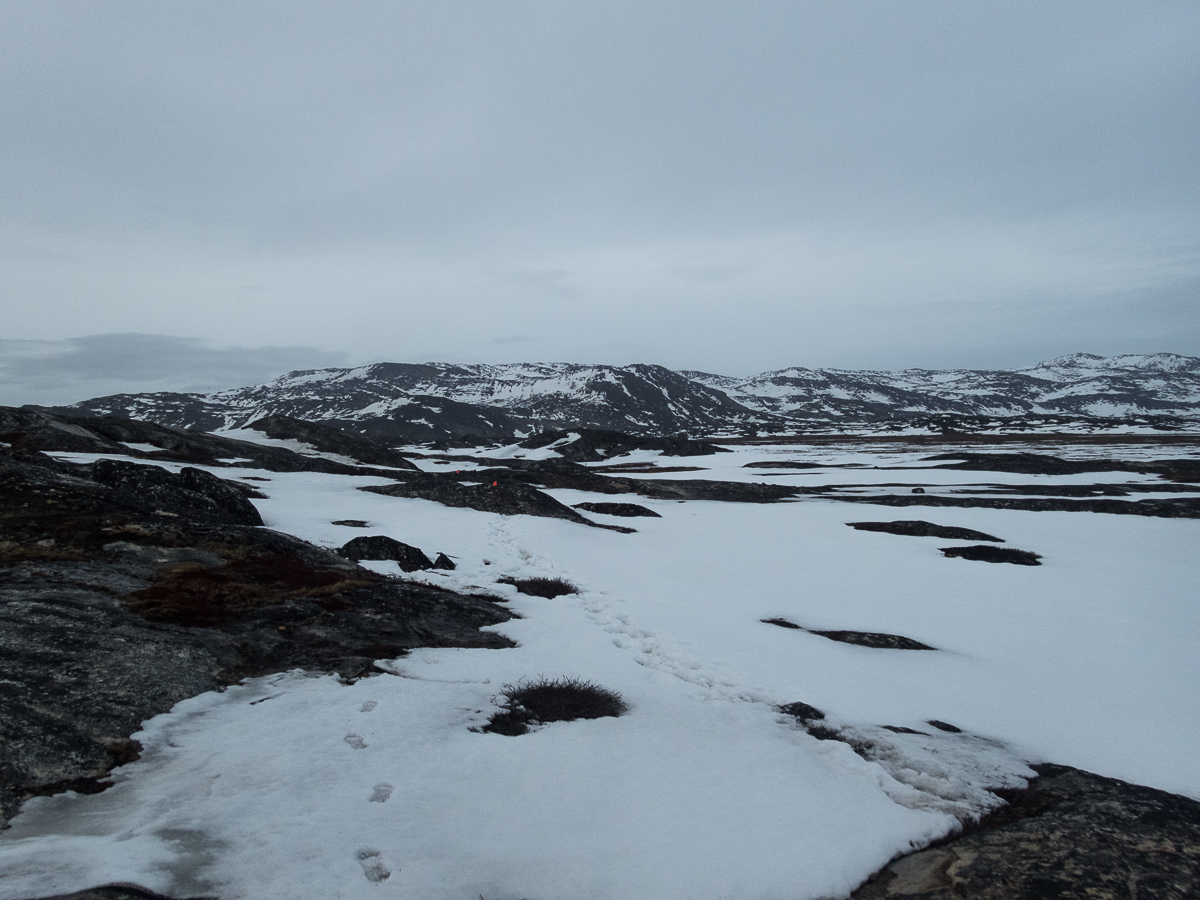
918 528
125 588
1072 835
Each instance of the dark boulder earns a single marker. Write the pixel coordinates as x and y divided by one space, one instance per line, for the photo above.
444 562
192 492
380 546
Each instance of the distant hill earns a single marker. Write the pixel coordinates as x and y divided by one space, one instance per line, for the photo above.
438 401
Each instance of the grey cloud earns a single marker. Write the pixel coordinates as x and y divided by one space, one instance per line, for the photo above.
56 372
342 174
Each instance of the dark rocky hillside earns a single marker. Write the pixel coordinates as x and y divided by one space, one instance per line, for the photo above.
437 402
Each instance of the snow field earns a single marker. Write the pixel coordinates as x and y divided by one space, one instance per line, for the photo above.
703 790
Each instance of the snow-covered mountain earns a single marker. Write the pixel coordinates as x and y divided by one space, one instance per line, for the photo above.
1079 385
439 401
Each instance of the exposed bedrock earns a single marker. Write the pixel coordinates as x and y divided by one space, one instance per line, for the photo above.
329 439
380 546
1071 834
125 588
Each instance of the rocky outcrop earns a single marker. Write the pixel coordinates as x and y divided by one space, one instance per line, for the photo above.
1071 834
380 546
26 429
125 588
328 439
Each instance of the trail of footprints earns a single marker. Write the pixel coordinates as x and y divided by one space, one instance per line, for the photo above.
371 859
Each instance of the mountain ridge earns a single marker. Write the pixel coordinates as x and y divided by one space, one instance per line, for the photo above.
431 402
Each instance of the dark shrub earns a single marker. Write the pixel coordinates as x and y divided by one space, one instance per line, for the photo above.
541 587
558 700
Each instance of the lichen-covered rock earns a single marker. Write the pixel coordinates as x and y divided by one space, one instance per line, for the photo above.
1070 835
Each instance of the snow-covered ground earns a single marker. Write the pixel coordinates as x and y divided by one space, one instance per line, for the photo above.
296 786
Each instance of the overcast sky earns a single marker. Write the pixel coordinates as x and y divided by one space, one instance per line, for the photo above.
732 187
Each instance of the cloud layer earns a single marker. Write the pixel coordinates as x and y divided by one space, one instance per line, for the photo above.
60 372
705 185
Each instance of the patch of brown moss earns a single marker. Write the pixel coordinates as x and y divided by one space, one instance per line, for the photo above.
193 594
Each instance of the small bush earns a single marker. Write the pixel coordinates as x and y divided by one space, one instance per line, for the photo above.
558 700
541 587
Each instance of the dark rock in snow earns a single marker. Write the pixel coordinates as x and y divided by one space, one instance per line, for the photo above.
379 546
785 464
595 445
917 528
984 553
505 496
444 562
862 638
945 726
351 523
874 639
802 711
629 510
329 439
1070 834
1170 508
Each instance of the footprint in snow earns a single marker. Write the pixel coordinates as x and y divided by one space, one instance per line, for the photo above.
368 706
372 865
356 741
383 790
